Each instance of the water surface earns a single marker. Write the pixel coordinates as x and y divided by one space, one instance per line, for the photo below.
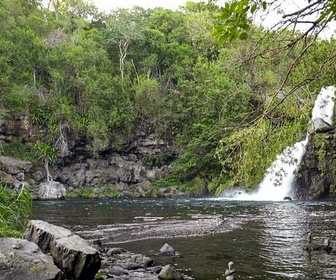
267 244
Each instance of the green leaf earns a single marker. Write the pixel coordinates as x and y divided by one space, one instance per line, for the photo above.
243 36
254 8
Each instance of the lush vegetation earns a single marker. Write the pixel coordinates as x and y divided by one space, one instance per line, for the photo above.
228 107
15 210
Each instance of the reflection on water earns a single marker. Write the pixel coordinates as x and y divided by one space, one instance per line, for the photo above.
268 244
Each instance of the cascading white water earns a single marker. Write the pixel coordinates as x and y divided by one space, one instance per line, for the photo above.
280 176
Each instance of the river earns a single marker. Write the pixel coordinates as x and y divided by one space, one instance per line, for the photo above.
265 240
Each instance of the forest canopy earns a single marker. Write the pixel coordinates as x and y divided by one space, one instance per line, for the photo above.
228 105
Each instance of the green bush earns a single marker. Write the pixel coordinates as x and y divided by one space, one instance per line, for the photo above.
110 191
15 210
18 149
83 192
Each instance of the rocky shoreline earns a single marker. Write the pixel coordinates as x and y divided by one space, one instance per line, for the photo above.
52 252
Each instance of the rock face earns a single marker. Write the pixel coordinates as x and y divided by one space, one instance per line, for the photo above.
317 178
51 190
139 160
71 253
143 158
18 127
23 260
12 170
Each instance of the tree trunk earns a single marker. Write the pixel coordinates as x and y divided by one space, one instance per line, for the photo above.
46 165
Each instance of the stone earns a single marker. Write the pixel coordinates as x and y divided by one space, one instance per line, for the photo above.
14 166
72 254
320 126
51 190
131 261
167 250
115 251
169 273
21 259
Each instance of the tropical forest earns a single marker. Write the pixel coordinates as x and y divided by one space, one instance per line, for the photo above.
158 103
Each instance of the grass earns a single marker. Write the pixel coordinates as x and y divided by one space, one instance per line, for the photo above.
15 210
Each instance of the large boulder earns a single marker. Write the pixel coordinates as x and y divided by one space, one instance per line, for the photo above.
23 260
51 190
15 167
72 254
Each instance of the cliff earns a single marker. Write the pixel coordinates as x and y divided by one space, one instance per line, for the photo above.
126 169
317 174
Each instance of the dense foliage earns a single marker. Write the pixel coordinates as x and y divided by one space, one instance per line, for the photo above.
96 77
15 210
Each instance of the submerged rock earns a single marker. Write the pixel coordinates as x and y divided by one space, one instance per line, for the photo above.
23 260
72 254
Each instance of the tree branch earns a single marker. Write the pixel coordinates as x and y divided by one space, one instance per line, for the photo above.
299 12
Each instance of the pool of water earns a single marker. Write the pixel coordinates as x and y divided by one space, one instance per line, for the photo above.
268 243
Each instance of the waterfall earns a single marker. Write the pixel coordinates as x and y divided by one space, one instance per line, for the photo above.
280 176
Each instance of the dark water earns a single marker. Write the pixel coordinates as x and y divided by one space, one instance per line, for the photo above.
268 244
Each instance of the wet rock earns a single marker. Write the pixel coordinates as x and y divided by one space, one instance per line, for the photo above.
23 260
135 261
96 243
51 190
320 126
119 263
169 273
167 250
72 254
316 176
115 251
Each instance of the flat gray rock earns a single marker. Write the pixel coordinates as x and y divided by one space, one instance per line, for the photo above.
72 254
23 260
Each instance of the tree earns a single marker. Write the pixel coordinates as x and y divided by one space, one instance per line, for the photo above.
306 23
47 153
122 28
302 65
72 8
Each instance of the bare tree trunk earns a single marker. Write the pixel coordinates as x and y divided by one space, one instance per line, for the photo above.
46 165
123 53
136 72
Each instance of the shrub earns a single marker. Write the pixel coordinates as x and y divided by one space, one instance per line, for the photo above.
15 210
